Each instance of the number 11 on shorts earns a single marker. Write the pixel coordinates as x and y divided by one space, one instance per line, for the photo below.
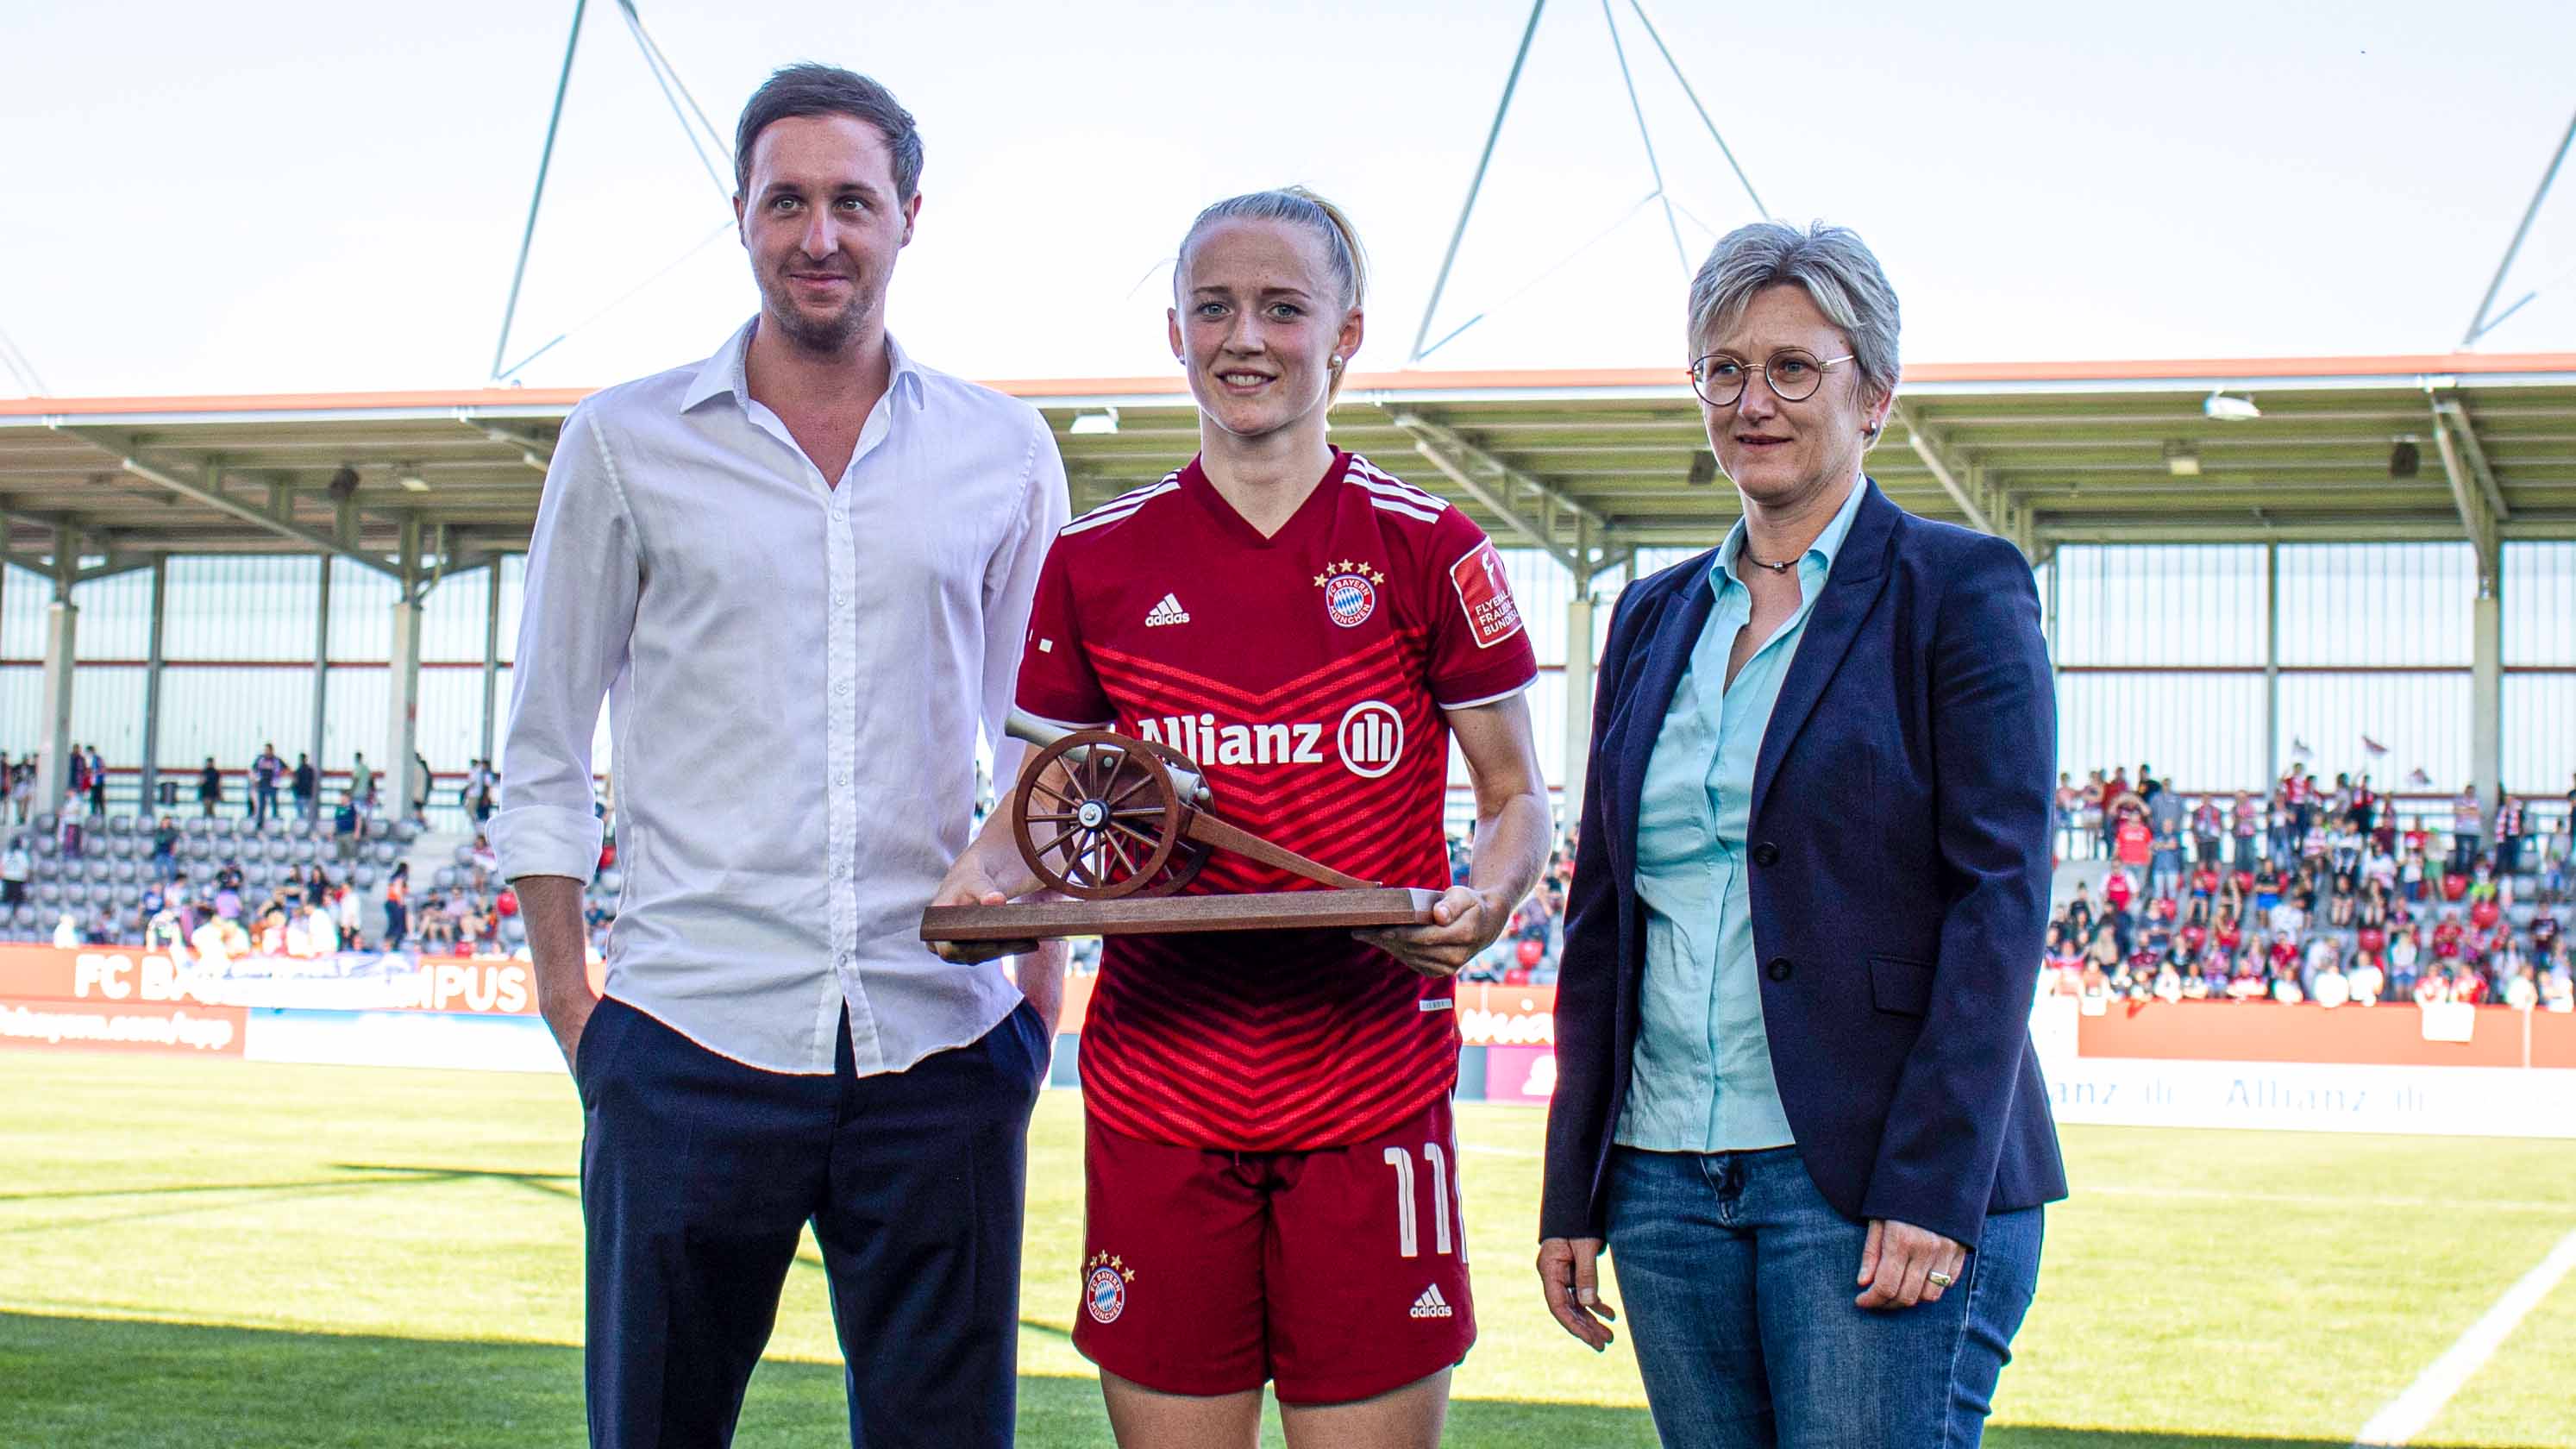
1408 1238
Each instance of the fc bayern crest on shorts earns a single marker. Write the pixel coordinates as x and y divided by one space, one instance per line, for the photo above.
1350 592
1104 1289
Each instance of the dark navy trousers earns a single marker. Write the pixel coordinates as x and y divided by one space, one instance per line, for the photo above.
698 1175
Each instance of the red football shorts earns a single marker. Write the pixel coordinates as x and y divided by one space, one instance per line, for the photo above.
1338 1274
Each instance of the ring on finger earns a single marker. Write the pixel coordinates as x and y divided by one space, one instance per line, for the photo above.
1939 1279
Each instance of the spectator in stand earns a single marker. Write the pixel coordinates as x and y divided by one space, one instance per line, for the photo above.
2468 825
306 785
16 867
2208 826
344 907
2508 836
398 906
417 793
2247 822
362 783
165 848
2133 843
2165 820
77 778
438 923
344 826
265 770
2364 810
210 788
22 787
97 783
67 829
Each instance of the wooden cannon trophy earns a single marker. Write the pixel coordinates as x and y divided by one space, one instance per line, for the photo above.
1131 824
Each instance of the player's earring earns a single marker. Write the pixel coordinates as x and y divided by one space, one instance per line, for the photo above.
1336 360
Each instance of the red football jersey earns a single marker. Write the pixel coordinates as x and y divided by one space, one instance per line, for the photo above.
1305 674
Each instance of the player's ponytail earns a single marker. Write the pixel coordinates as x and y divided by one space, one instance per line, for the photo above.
1300 207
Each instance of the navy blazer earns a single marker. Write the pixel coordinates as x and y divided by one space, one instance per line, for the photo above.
1900 879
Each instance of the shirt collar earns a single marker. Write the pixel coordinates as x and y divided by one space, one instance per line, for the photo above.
1721 569
725 373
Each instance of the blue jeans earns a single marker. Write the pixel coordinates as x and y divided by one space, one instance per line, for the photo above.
1738 1280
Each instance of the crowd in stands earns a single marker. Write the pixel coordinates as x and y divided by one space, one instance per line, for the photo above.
269 787
267 872
2313 893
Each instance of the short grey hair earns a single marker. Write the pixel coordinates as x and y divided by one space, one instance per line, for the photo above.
1837 269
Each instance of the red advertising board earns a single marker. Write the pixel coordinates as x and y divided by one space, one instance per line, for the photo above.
483 985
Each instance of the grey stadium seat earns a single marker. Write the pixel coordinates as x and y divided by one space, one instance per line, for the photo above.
366 878
464 855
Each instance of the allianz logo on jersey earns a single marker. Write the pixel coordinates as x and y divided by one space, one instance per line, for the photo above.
1369 739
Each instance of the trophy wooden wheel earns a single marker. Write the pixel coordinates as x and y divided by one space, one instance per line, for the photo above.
1112 827
1117 823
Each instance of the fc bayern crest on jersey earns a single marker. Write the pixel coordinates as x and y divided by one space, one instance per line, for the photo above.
1350 591
1104 1288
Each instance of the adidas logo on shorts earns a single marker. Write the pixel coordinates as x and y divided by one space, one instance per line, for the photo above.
1167 612
1432 1305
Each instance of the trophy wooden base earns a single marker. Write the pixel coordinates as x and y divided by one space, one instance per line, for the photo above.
1156 915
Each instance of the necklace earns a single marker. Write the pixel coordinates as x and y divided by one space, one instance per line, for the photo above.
1777 568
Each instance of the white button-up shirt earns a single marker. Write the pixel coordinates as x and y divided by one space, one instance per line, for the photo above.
795 673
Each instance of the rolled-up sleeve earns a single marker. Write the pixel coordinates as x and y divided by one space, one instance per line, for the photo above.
1994 741
584 575
1010 588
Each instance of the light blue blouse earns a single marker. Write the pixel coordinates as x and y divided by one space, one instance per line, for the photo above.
1702 1072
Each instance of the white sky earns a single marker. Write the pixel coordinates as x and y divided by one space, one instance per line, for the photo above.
311 195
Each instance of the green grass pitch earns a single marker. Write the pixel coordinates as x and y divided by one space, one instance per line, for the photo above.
217 1254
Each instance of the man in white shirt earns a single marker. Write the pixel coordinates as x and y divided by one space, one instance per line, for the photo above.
801 573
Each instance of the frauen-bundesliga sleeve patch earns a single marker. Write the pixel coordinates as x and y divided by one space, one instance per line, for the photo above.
1485 593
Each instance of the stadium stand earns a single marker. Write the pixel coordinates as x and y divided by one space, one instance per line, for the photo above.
2316 893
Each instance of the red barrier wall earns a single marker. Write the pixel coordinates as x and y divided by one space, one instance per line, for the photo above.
2389 1036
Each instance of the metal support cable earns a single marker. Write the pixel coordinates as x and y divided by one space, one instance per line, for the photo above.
723 228
21 367
653 48
1644 134
1675 66
1511 83
1535 282
2481 325
545 161
665 79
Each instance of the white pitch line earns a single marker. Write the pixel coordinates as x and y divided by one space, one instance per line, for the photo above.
2408 1413
2324 1200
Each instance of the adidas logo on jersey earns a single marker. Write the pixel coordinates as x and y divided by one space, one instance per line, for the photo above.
1167 612
1432 1305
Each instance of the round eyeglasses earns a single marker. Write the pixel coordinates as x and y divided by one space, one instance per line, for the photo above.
1792 374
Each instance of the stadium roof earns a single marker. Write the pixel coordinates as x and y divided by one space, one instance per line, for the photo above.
1585 463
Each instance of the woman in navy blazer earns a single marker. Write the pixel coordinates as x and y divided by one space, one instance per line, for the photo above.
1795 1090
